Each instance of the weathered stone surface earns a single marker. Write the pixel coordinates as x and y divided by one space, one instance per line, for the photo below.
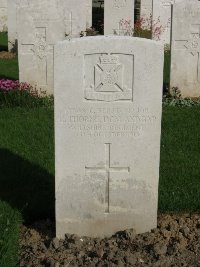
114 12
12 23
77 16
108 93
40 25
185 49
146 12
3 15
88 13
162 10
162 18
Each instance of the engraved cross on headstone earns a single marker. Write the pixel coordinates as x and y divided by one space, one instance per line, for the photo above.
193 45
41 49
69 23
3 18
107 169
124 28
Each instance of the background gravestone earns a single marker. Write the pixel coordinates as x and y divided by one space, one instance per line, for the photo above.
76 16
3 15
114 12
162 12
40 25
108 95
185 48
88 13
12 23
146 12
162 17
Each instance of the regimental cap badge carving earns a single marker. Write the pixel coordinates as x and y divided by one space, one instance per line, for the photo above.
108 83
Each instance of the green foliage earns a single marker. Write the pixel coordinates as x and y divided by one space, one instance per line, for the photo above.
27 161
167 61
143 33
179 188
3 41
27 168
10 220
17 98
175 99
9 68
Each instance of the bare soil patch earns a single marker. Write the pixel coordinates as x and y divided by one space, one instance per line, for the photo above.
8 55
176 242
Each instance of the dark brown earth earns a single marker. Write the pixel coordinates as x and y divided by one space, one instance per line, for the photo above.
176 242
9 55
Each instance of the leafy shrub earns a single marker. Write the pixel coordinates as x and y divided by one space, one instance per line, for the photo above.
16 94
143 28
174 98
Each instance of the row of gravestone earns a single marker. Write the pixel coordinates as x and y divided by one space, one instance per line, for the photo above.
108 101
108 105
40 27
156 12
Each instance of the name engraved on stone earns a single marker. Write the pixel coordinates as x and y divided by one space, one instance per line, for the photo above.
108 84
193 46
119 3
107 169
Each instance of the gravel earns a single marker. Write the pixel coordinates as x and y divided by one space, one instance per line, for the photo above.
176 242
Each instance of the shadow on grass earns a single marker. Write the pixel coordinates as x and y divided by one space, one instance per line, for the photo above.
7 77
26 187
3 48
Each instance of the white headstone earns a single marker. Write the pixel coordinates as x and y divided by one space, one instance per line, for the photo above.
3 16
76 15
40 26
88 13
162 19
114 12
108 94
162 16
12 23
146 12
185 48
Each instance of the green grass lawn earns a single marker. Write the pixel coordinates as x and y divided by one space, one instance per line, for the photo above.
180 160
3 41
27 160
166 73
27 163
8 67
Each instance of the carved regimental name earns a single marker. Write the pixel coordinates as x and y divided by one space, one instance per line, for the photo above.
108 83
107 169
119 3
193 46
